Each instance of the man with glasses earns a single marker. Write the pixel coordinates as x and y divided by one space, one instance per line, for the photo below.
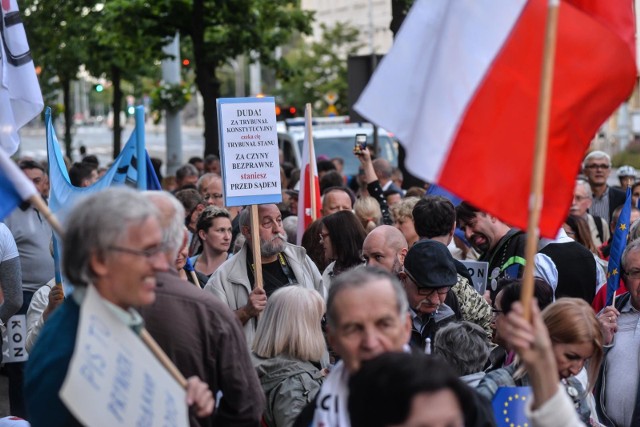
429 273
597 167
114 243
283 264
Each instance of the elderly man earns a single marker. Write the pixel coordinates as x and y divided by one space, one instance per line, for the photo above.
384 172
385 247
500 245
617 390
283 264
597 167
582 200
367 316
199 333
113 242
210 188
186 176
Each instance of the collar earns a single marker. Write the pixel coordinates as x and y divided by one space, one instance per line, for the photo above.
628 307
129 317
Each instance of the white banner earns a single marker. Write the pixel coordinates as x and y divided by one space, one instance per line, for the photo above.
16 339
114 379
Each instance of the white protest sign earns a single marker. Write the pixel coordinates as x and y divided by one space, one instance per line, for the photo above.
16 339
478 272
114 379
249 152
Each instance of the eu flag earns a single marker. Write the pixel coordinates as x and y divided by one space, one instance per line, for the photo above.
509 405
617 247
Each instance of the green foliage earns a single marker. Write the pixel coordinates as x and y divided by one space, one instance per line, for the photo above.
321 68
170 97
630 156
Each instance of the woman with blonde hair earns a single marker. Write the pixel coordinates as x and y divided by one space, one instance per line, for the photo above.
368 212
402 213
576 341
289 353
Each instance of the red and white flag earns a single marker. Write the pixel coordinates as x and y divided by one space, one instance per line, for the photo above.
460 90
309 183
20 96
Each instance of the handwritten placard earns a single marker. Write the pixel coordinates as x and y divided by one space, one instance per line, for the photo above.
114 379
16 339
249 151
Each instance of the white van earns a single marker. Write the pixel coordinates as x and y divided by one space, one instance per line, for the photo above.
336 140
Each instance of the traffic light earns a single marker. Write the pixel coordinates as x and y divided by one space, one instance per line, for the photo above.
98 88
283 113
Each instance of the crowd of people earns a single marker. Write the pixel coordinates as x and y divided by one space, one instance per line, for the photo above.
372 321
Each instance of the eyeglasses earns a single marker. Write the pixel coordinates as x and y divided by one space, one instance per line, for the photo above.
147 253
495 312
427 292
269 222
579 198
213 196
598 166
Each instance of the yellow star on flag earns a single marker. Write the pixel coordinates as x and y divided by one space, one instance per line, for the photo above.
623 226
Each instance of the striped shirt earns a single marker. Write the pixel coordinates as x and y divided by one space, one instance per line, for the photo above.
600 206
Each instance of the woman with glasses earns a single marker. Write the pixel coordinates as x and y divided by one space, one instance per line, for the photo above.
341 236
214 231
577 344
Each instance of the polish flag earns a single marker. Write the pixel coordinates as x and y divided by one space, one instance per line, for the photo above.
460 90
309 182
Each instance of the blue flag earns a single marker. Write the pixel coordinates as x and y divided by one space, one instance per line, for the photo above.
509 404
618 243
9 197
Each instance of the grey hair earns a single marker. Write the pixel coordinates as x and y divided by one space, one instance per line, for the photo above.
205 179
291 325
97 222
595 155
463 345
244 217
186 170
357 278
290 225
586 187
632 246
172 220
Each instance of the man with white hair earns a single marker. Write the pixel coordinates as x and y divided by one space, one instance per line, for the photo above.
199 333
283 264
597 167
582 200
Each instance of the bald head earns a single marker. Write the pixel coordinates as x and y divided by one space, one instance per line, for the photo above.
385 247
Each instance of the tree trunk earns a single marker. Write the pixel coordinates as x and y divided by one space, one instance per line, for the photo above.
116 106
68 116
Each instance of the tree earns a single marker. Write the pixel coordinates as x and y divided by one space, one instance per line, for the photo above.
57 37
222 30
320 68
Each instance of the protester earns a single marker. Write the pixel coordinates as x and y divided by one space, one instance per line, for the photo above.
10 276
336 199
283 264
187 176
582 201
464 347
214 231
367 315
428 275
402 214
384 172
373 186
627 176
83 174
578 229
596 166
398 389
105 237
311 243
341 237
212 164
287 353
385 247
199 333
210 188
44 302
198 163
616 392
193 204
501 246
576 338
32 235
551 405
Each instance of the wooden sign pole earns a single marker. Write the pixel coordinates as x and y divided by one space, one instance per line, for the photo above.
255 244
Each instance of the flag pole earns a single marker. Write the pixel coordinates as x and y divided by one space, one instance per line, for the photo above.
540 155
311 178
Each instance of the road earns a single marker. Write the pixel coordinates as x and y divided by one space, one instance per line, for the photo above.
99 140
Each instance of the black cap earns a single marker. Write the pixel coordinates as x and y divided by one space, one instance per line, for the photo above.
430 264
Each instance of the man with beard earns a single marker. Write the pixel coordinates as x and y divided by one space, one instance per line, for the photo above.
283 264
500 245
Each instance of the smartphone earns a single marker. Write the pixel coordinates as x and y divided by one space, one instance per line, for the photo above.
361 143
